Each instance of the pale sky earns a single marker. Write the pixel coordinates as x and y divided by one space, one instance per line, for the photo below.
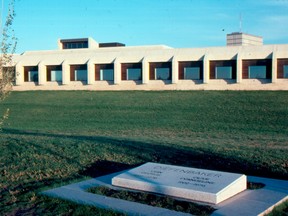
176 23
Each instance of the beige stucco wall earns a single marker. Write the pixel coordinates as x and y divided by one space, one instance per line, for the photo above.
158 85
147 54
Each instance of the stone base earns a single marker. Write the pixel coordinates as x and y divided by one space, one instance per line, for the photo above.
189 183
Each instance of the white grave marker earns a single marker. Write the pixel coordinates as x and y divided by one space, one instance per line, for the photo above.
189 183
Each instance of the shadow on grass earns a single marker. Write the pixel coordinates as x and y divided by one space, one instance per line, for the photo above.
149 152
104 167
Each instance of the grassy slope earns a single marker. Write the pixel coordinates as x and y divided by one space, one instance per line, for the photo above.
52 138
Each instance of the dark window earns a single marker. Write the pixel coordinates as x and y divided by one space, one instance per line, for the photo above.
107 74
223 69
257 69
134 73
285 71
162 74
192 73
104 72
56 76
32 76
78 72
31 73
190 70
160 71
54 73
257 72
75 45
223 72
131 71
80 75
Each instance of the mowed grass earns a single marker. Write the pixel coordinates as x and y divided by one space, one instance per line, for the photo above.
53 138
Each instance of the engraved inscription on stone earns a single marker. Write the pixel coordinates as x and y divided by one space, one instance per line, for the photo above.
190 183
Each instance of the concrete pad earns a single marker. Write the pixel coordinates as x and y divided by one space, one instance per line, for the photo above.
183 182
249 202
77 193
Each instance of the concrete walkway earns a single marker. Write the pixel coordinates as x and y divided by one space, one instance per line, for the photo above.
249 202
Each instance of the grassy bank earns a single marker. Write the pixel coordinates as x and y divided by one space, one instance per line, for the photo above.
52 138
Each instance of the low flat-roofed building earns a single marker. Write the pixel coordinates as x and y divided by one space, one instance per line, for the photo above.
87 65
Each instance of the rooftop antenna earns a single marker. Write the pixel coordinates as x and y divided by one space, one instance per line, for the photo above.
240 23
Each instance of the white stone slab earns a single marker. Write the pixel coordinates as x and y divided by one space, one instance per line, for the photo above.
189 183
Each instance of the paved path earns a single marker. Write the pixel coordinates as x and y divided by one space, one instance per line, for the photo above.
249 202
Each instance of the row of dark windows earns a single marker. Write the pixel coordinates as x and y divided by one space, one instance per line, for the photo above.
75 45
80 44
193 70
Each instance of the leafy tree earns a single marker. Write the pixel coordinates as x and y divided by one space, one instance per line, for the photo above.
8 47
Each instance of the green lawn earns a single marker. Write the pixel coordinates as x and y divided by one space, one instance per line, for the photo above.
52 138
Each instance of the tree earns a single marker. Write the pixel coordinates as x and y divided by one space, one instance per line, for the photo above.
8 47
